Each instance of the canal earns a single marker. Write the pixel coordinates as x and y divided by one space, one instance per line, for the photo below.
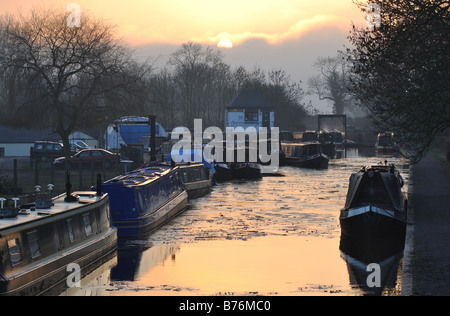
276 236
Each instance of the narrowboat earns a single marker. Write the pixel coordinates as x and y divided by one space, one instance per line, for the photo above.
305 155
39 241
385 144
376 206
196 178
246 170
305 137
224 172
327 143
144 199
237 171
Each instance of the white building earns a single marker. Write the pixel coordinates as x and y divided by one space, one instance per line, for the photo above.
249 109
16 142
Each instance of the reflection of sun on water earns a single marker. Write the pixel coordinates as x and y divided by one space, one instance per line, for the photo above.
276 236
225 43
267 266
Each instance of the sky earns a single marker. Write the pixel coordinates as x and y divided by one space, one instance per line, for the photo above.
271 34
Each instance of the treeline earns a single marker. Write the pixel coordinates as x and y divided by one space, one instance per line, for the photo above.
197 83
56 75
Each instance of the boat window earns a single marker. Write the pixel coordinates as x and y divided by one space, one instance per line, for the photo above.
70 230
87 224
33 243
197 174
185 176
203 173
14 251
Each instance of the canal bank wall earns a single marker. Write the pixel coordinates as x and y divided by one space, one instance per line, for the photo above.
426 263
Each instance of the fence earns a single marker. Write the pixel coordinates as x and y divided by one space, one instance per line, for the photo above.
19 177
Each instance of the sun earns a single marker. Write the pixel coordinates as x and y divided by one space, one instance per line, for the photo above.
225 43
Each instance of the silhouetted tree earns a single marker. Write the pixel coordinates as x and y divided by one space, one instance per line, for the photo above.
70 71
332 82
401 69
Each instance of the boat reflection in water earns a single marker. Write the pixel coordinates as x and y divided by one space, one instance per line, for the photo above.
138 257
361 255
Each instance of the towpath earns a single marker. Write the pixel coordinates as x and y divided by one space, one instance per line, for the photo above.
426 268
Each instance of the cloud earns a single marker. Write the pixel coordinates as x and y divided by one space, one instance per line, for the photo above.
293 32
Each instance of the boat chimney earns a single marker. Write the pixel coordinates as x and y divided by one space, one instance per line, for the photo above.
69 197
16 202
99 184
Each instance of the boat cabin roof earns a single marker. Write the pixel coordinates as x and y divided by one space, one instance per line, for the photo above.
142 176
183 165
29 217
379 168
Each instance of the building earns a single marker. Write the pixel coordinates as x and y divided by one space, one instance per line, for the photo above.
16 142
249 108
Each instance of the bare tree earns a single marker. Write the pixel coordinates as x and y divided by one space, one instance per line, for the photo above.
74 68
199 76
332 82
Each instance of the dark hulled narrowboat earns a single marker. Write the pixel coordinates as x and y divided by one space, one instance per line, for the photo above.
197 179
246 170
224 172
328 143
39 241
196 176
237 171
305 155
144 199
375 205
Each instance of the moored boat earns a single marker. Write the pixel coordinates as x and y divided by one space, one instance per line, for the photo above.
246 170
305 155
39 241
385 144
375 205
224 172
197 179
327 143
144 199
237 171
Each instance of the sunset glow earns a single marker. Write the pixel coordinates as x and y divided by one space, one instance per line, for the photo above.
225 43
141 22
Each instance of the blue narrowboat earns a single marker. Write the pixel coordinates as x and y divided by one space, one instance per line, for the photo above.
144 199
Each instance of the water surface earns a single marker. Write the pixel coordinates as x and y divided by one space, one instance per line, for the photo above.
276 236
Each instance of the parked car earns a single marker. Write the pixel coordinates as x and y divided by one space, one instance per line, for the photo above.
86 156
77 145
45 151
